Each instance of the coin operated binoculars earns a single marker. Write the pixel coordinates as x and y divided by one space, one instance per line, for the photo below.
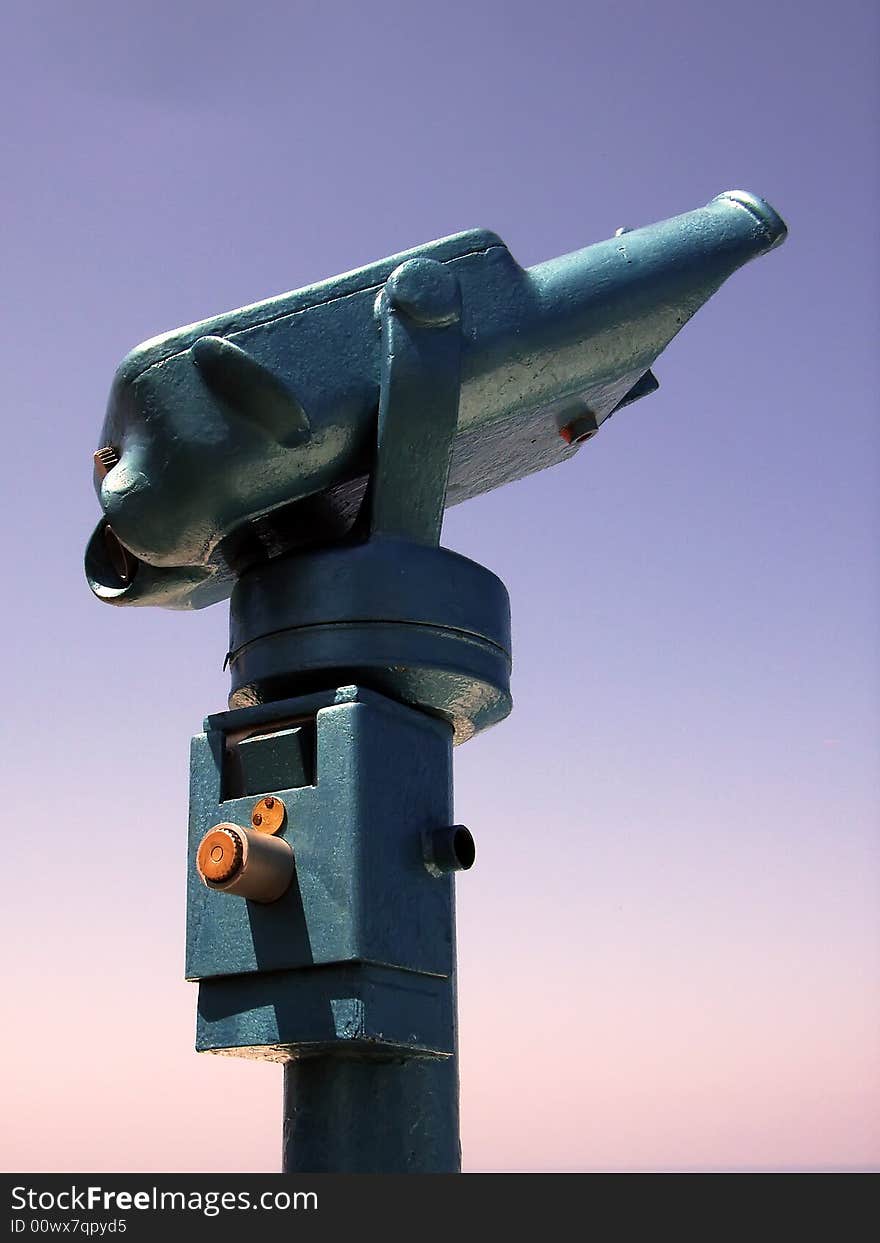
297 456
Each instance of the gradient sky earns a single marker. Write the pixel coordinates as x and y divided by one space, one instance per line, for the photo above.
669 950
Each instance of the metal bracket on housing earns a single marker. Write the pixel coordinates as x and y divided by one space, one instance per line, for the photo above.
420 385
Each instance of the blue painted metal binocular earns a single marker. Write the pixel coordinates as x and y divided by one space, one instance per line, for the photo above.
253 434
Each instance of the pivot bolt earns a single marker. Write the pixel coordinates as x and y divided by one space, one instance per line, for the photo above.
584 427
426 291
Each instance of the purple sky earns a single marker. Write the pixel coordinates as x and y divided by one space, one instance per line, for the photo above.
669 946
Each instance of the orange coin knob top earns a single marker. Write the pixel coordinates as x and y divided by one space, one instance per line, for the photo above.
219 855
268 814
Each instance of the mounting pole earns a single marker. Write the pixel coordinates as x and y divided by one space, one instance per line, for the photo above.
361 1115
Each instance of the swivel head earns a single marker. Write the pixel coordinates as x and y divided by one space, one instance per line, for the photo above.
256 433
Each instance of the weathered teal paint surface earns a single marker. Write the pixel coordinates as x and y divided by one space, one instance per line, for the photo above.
423 625
362 893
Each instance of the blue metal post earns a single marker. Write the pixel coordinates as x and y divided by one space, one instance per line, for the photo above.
357 1115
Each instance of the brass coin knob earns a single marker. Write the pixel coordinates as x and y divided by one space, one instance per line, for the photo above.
246 862
219 855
